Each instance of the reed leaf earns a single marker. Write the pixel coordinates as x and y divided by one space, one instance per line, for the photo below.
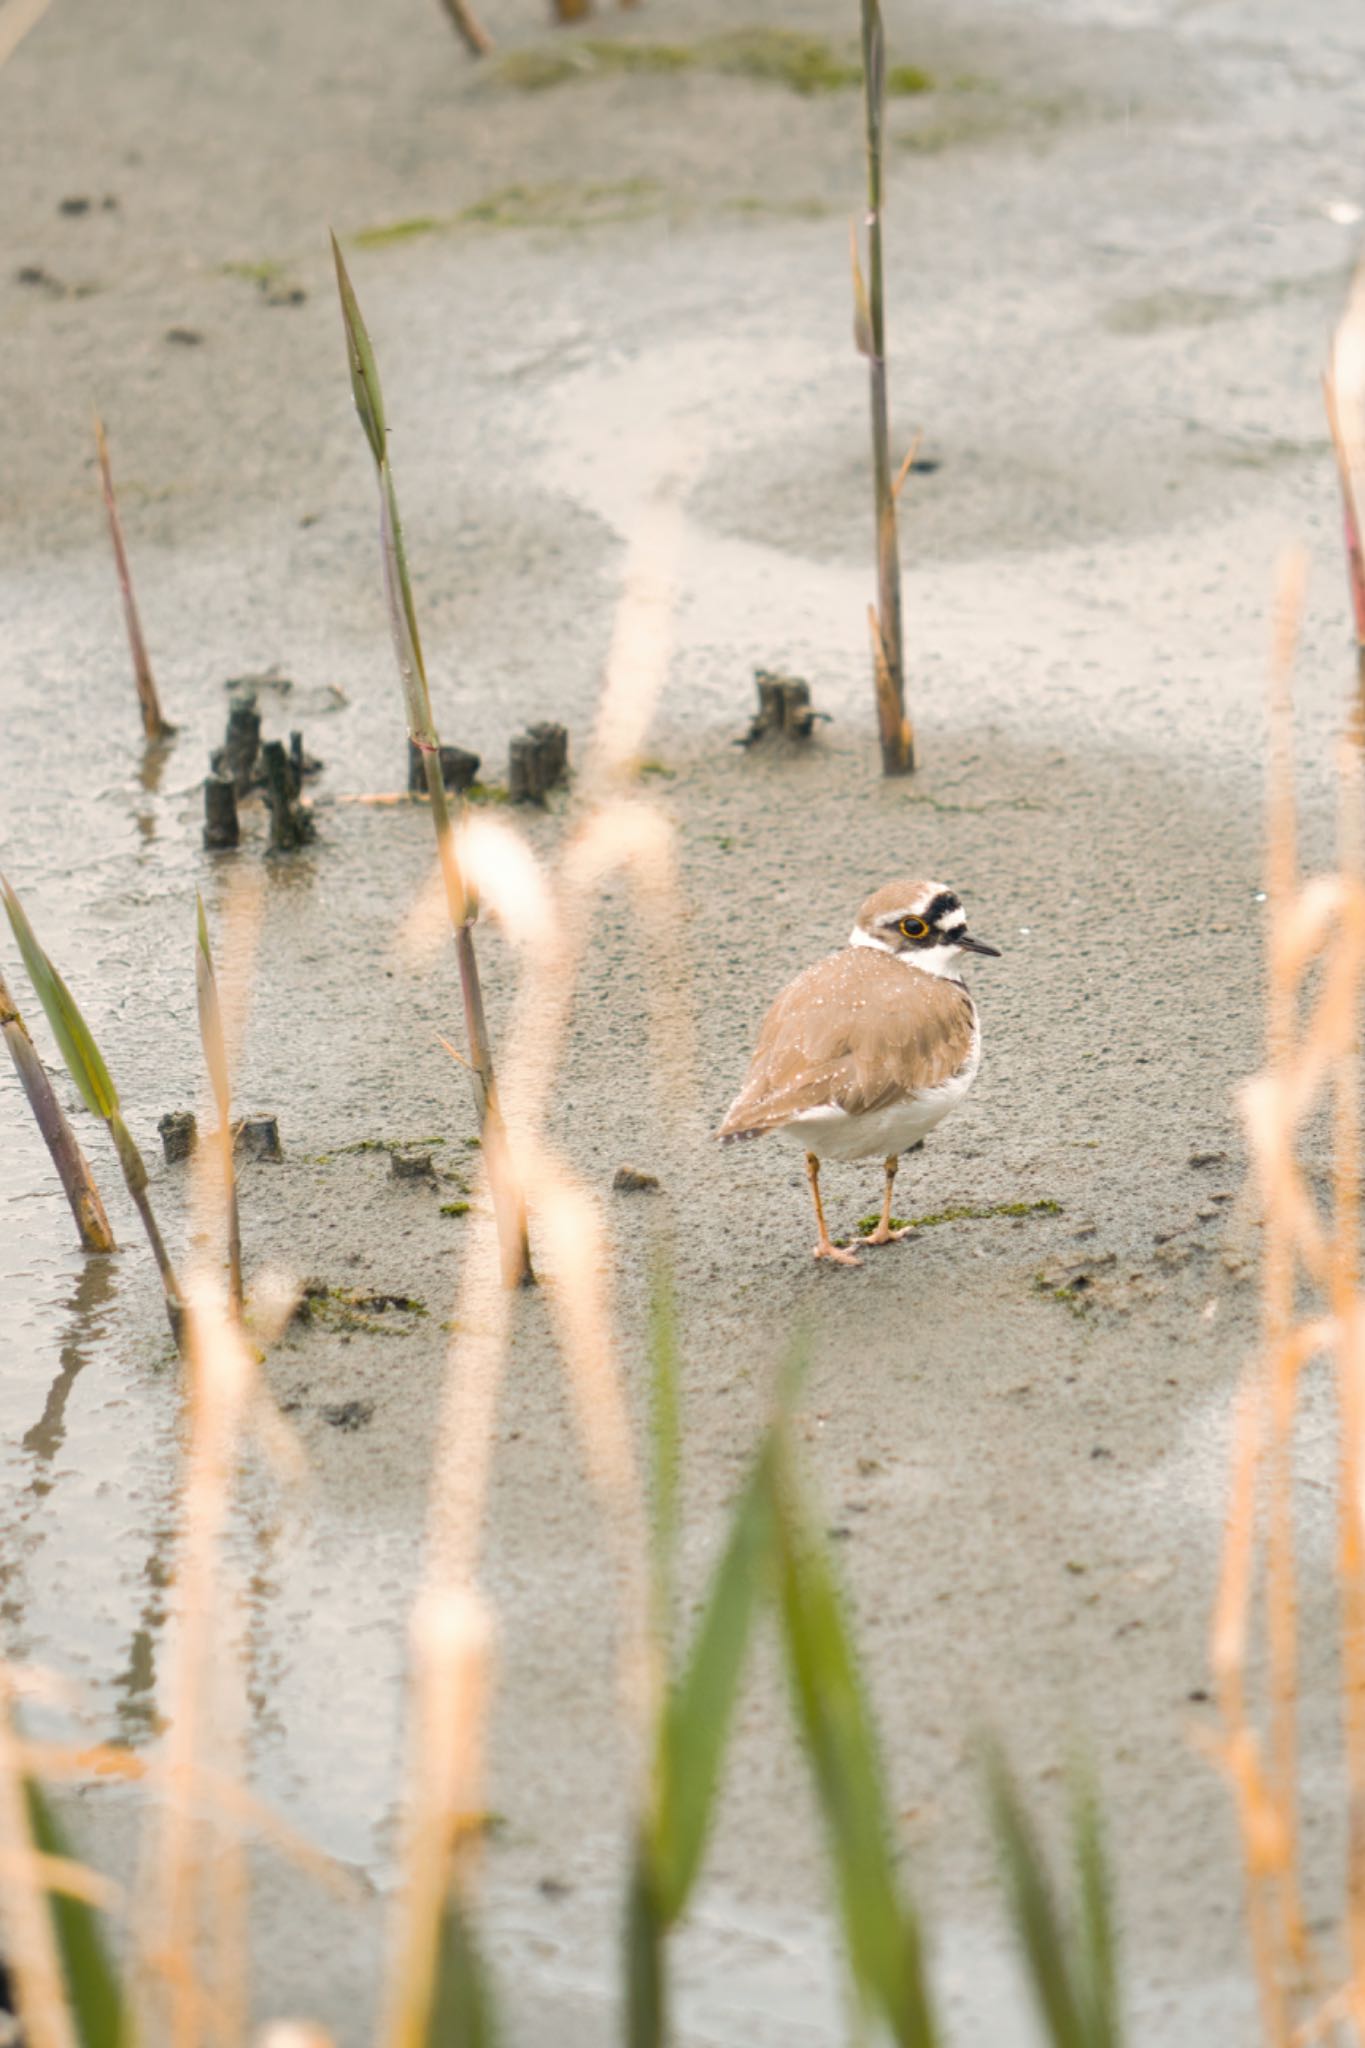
880 1929
461 2013
1038 1923
665 1438
69 1028
94 1996
369 398
1097 1967
700 1705
645 1933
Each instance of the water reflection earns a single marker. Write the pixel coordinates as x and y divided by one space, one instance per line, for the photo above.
94 1291
135 1684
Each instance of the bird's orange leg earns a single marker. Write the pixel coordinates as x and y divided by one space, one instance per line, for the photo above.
884 1234
825 1250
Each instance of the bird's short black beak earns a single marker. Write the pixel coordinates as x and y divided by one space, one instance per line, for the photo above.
971 945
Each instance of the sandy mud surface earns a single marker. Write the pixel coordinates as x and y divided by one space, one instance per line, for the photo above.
1118 237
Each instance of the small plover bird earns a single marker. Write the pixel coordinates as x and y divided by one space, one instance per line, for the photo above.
866 1051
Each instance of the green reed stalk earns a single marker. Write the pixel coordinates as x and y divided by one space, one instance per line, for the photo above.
72 1167
869 327
85 1064
369 402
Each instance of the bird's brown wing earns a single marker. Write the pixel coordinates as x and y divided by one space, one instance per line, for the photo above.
858 1030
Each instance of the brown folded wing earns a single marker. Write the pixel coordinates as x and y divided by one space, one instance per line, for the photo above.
858 1030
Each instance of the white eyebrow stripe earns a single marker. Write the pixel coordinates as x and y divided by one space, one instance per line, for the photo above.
954 920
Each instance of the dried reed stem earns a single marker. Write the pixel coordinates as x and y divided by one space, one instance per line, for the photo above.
72 1167
154 724
462 907
897 734
468 27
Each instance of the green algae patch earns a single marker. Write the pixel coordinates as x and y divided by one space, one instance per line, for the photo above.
455 1208
352 1309
965 1213
799 63
523 206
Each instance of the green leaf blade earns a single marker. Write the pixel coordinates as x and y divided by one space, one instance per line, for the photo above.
78 1048
697 1714
880 1930
461 2013
1038 1924
365 386
93 1991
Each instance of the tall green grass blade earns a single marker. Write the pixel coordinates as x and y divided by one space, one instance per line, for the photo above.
880 1930
1097 1966
665 1438
69 1028
369 399
1037 1921
697 1714
93 1993
645 1931
461 2014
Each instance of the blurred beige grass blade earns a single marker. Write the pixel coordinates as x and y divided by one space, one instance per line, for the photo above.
642 638
451 1638
17 18
222 1009
1344 393
1316 928
177 1934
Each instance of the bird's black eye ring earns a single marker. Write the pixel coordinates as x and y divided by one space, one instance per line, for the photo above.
913 928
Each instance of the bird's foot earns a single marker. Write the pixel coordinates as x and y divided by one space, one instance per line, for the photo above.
883 1234
837 1252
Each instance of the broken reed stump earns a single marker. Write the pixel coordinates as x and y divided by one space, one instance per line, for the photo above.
291 823
179 1134
459 769
221 828
537 762
237 757
258 1137
784 709
72 1167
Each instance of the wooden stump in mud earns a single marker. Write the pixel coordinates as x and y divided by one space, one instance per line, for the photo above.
220 811
537 761
237 757
784 709
291 823
459 769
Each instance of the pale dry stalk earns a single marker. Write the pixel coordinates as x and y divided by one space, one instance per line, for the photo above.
220 1375
451 1638
500 871
468 27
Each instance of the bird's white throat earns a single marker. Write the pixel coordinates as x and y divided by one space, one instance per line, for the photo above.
944 961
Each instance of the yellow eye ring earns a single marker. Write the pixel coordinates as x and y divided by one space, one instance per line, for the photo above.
913 928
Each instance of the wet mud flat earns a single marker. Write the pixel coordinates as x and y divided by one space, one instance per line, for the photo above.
1113 264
